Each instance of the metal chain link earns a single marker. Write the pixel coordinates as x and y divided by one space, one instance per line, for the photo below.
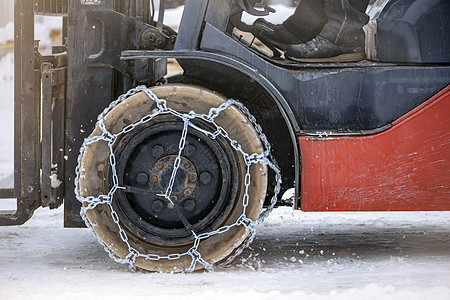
91 202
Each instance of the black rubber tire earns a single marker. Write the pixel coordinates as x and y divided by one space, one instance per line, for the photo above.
93 178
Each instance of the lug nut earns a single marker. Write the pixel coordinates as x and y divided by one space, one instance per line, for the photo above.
205 178
189 205
157 205
157 151
187 192
154 179
160 165
193 178
187 165
189 150
142 178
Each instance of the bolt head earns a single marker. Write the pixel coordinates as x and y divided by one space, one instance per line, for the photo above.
157 206
193 178
205 177
174 199
187 192
142 178
189 150
157 151
189 205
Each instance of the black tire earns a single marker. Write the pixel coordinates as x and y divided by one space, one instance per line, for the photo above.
95 179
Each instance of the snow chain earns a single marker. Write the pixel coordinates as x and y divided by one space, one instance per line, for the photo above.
266 157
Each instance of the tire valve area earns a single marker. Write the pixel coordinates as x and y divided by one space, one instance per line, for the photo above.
180 193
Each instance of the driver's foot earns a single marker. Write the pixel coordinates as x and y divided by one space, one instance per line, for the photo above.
321 49
277 35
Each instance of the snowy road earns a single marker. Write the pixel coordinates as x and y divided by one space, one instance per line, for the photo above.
295 255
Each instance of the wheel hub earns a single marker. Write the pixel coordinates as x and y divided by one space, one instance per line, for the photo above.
185 181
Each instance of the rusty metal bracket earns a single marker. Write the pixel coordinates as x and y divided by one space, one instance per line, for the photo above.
113 27
53 74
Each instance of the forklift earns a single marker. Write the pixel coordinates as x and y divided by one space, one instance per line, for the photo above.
174 173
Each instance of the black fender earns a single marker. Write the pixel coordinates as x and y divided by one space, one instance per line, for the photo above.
228 75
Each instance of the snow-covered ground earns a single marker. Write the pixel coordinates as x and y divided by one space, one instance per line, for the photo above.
295 255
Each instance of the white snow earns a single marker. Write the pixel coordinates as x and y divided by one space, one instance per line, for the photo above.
7 33
376 256
42 30
296 255
54 181
6 120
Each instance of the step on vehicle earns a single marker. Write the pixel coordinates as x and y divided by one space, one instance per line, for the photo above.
173 173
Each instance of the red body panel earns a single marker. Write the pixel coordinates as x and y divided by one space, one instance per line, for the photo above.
405 168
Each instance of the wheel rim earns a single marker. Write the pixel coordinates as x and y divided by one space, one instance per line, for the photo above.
93 181
205 187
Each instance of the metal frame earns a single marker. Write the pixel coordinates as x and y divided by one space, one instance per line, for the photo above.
97 76
53 77
26 120
39 110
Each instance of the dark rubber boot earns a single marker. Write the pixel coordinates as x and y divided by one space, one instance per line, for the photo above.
275 34
320 49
